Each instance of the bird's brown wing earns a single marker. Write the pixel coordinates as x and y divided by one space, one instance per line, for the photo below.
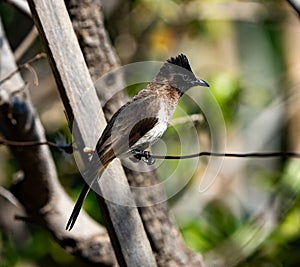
126 127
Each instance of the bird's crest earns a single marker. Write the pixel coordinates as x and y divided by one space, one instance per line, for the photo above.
173 71
181 61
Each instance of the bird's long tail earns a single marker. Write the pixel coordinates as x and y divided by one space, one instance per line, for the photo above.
85 190
76 210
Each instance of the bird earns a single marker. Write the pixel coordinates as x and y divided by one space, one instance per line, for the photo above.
140 122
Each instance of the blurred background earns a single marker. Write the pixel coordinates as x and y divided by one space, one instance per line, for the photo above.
248 51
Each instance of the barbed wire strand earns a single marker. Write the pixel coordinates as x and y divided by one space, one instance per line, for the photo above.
69 149
232 155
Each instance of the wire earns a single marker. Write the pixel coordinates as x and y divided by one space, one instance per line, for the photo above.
146 154
67 148
231 155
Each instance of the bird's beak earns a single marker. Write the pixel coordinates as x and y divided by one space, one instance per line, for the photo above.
199 82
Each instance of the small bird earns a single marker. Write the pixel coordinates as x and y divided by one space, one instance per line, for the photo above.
140 122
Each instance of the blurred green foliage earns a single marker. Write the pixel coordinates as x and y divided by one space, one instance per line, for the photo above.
204 234
37 250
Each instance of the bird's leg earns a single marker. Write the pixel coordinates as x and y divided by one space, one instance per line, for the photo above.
139 154
148 158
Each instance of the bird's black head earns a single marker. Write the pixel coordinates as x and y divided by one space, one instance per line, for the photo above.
178 73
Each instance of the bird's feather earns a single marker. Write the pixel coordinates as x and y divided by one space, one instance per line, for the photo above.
181 61
125 128
138 123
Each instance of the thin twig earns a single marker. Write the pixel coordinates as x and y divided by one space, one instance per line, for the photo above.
9 196
32 70
26 43
25 65
21 5
24 219
190 118
295 4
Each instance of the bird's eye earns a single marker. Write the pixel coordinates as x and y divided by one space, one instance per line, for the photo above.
185 77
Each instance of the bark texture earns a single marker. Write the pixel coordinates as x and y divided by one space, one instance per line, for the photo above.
161 228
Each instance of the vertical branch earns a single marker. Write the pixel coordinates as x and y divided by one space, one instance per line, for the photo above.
38 189
79 97
166 241
96 47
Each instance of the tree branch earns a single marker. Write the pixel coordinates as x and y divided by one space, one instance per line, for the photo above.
20 4
18 68
166 241
295 5
38 190
26 43
84 111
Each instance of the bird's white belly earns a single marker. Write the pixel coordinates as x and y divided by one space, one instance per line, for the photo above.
152 136
164 115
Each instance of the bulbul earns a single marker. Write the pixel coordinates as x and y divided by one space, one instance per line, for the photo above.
140 122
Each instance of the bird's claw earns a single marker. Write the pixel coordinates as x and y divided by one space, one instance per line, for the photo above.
137 155
142 154
148 158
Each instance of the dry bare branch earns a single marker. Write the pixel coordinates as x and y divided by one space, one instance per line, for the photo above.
77 91
26 43
38 190
161 228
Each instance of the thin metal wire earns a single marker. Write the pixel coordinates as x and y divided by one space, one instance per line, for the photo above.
67 148
147 155
232 155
